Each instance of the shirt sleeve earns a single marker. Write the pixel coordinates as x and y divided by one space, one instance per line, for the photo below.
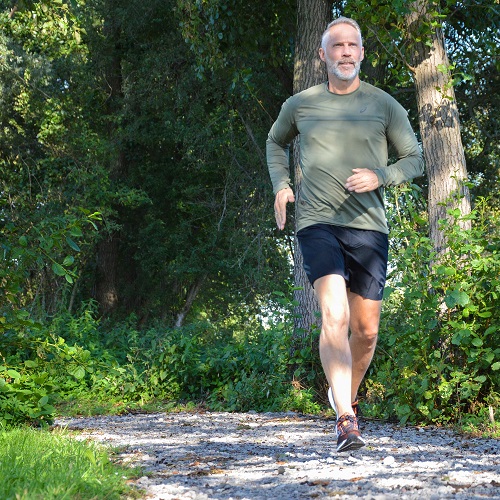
410 163
280 136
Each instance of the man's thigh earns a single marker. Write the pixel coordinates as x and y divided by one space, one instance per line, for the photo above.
366 255
322 253
364 314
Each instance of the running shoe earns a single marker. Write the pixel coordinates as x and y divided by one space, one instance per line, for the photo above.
355 404
348 436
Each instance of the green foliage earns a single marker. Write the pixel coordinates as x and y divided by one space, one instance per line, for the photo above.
36 369
26 395
438 357
158 123
101 109
79 359
36 464
303 400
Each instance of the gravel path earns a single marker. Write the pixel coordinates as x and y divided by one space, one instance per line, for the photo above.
286 456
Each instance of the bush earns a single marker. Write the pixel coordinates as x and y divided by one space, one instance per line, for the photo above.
26 395
438 353
77 359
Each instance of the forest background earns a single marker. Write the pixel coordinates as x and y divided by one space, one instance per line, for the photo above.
140 263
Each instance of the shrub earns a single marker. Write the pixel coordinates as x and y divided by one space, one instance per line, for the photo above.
438 354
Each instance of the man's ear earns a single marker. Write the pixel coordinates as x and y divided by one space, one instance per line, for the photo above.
321 53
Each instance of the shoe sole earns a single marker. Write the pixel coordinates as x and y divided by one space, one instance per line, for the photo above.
351 444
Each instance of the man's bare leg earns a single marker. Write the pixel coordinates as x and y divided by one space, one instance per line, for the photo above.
336 358
364 325
334 348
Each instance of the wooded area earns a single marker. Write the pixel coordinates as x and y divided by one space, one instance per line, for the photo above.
136 206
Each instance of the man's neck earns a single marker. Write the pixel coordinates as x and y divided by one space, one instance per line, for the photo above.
337 86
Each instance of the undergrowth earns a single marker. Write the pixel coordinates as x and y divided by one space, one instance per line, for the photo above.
437 362
438 358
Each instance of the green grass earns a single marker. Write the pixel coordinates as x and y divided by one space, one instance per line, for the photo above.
480 429
89 405
43 465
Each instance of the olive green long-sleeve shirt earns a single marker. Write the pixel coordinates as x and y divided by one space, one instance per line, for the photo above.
340 132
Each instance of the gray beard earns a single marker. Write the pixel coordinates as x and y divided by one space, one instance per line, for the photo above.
334 69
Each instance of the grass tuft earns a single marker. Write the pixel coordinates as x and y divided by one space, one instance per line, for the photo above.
40 465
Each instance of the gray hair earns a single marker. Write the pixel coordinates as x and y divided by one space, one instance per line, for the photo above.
340 20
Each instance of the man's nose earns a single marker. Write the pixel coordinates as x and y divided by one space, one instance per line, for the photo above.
346 50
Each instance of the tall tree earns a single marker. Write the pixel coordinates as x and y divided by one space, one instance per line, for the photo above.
438 118
106 287
43 154
188 122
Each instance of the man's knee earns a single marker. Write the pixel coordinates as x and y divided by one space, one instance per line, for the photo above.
366 333
334 319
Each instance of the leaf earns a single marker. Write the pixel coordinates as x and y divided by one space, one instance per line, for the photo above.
456 297
485 314
43 400
447 271
72 244
58 269
68 261
77 372
490 330
460 336
477 342
495 366
76 231
14 374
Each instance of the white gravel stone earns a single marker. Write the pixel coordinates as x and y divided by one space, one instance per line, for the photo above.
287 456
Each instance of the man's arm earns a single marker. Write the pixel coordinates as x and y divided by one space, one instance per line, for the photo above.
410 163
277 151
283 197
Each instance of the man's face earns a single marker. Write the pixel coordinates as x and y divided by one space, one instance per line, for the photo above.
342 52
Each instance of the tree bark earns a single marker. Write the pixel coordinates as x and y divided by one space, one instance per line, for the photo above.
312 18
190 298
107 293
439 123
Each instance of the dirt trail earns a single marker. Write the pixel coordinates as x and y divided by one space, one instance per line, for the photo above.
288 456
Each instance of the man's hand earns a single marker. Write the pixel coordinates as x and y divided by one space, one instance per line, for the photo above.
283 197
362 181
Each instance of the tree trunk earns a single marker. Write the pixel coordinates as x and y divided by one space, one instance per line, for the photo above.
106 290
312 18
439 124
190 298
107 250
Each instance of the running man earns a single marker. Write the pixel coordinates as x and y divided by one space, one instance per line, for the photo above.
344 126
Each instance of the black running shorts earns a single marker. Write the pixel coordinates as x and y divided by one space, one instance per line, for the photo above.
358 255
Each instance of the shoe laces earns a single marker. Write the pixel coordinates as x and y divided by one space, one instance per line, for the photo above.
346 423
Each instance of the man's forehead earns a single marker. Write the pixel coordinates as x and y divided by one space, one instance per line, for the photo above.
344 32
